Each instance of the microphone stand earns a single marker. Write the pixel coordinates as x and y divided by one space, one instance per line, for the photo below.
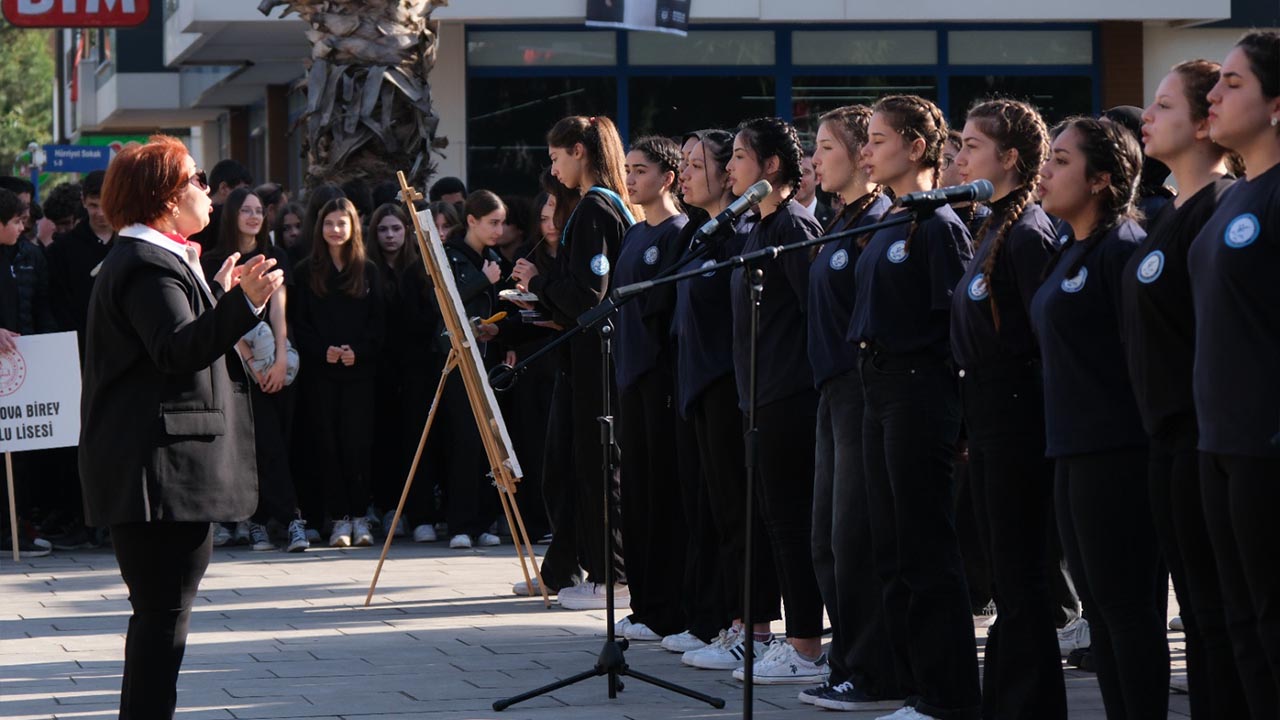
754 263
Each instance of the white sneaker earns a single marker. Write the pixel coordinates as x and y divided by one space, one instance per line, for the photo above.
360 534
460 542
371 517
593 597
1075 636
424 534
907 713
1176 624
642 633
259 537
782 665
221 535
341 535
725 653
523 589
682 642
386 522
620 627
488 540
313 536
242 533
298 541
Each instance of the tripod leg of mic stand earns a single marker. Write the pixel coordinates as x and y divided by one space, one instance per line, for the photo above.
449 365
714 702
501 705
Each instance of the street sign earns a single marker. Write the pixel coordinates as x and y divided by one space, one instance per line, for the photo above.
76 13
76 158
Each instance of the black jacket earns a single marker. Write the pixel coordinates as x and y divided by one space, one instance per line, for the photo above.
165 434
72 258
24 290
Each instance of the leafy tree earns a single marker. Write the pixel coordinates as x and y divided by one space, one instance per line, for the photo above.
26 91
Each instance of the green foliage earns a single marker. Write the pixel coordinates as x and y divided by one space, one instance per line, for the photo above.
26 91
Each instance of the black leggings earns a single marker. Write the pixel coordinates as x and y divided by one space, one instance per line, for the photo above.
654 530
718 424
1104 517
784 496
860 649
272 430
909 434
1241 495
162 564
1012 486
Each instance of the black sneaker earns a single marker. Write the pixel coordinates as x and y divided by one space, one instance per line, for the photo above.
846 697
808 695
1082 658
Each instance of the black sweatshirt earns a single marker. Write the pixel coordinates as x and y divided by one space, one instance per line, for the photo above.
337 319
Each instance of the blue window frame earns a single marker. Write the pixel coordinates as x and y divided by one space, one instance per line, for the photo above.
784 72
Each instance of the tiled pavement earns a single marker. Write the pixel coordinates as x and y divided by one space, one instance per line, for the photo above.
287 636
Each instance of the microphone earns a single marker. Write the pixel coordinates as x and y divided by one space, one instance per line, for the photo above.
753 195
976 191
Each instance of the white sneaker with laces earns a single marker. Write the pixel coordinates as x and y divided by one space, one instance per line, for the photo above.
782 665
488 540
907 713
642 633
592 596
386 522
241 536
1075 636
460 542
425 533
341 535
725 653
221 535
682 642
360 534
620 627
523 589
298 541
259 537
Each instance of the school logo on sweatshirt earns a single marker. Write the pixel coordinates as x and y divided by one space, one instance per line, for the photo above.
600 265
1151 267
1242 231
897 252
651 255
708 264
978 288
840 259
1074 284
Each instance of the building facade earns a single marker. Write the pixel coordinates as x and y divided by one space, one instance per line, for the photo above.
224 76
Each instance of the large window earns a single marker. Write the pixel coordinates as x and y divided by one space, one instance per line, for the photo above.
521 80
508 120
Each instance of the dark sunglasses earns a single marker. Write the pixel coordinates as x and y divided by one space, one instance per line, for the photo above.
200 179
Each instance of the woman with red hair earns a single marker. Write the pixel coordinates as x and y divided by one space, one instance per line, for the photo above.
166 437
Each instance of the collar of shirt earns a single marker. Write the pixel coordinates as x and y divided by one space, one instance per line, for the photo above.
812 207
175 244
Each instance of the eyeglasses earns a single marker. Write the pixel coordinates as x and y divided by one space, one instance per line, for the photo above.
200 180
245 210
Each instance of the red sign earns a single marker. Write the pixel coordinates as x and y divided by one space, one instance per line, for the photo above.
76 13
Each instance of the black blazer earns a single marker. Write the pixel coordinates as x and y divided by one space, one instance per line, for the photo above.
165 434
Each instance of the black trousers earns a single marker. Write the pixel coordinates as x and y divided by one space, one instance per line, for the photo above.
842 560
909 434
585 406
1104 518
784 495
1240 497
654 531
162 564
342 420
471 501
705 604
560 563
718 424
527 407
272 433
1177 508
1012 490
390 432
423 506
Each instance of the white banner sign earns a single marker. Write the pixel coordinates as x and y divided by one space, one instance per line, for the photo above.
40 393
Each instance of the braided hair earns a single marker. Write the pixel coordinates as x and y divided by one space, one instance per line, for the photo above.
1108 148
599 137
916 118
850 126
662 152
774 137
1013 125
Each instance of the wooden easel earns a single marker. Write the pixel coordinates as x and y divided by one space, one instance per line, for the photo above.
465 358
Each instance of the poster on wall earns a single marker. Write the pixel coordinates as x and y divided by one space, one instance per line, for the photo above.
668 16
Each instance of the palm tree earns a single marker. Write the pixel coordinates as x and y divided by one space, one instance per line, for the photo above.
368 108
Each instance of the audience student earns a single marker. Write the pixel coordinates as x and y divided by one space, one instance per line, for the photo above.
226 175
